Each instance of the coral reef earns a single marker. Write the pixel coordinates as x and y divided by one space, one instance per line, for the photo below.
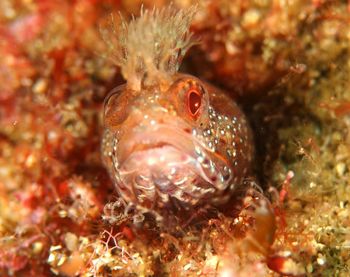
287 62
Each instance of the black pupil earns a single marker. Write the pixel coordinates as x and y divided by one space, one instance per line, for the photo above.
194 102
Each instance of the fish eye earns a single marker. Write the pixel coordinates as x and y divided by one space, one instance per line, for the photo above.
190 98
194 101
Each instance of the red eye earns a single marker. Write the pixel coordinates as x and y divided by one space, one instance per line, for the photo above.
194 102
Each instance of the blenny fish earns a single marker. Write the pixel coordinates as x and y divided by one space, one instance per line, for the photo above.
170 137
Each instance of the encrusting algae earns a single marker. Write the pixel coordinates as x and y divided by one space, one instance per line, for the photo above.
286 64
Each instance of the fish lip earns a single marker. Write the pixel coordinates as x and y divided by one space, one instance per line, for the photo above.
147 146
155 138
153 152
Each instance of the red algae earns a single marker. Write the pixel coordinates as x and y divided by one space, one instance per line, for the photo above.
59 211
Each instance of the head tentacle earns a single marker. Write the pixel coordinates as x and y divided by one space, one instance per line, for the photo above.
150 48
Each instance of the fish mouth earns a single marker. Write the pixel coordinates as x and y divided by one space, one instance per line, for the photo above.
161 137
166 161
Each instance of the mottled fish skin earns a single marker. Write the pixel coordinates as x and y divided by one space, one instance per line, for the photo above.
211 155
170 136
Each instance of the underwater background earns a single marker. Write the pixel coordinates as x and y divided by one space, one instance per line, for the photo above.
287 64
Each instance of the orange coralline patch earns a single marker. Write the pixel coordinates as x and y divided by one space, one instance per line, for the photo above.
339 110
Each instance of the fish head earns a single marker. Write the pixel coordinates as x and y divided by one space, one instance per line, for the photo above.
169 142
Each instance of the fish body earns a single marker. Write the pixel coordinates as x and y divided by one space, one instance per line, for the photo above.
171 137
